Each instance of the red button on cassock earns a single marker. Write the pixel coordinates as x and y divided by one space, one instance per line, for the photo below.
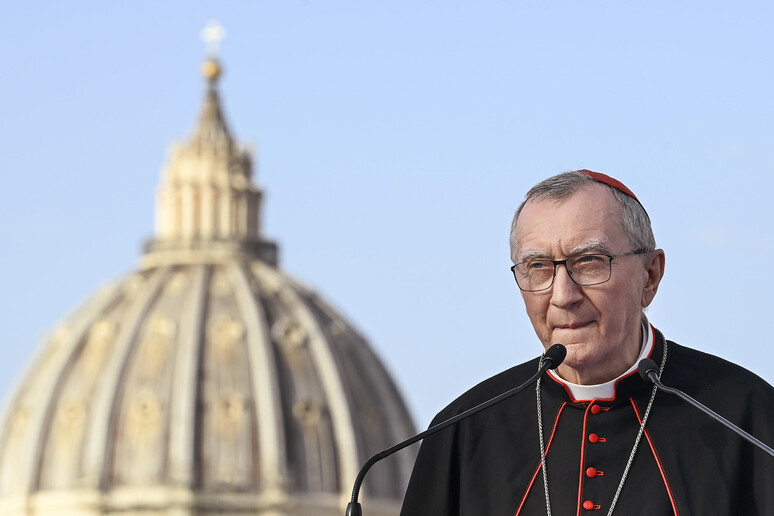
596 409
588 505
591 472
594 438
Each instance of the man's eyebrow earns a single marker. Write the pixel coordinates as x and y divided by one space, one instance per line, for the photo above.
592 246
533 254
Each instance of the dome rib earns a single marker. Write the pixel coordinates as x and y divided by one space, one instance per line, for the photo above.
184 396
357 358
103 417
51 367
335 393
268 413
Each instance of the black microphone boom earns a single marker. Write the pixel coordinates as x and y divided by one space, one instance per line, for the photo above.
550 360
649 371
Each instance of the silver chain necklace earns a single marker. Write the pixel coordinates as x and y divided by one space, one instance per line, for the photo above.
631 455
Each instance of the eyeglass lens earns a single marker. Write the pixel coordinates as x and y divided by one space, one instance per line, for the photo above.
585 270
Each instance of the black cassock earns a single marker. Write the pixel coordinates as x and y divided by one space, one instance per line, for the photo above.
685 463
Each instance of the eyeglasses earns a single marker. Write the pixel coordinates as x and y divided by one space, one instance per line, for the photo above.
585 270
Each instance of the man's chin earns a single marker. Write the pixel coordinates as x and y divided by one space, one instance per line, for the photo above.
579 354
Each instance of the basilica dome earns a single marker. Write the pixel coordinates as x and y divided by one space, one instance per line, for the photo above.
206 381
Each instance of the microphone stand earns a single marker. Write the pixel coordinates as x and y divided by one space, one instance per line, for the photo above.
648 370
551 359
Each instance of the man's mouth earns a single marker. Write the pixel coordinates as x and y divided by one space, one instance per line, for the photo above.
572 326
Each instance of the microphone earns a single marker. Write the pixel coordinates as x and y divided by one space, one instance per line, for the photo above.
649 371
550 360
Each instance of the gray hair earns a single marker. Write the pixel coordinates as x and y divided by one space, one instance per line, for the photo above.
635 220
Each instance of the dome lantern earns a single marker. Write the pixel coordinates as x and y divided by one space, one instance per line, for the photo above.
207 204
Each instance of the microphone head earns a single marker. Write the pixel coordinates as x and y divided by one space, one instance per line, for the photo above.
554 356
645 366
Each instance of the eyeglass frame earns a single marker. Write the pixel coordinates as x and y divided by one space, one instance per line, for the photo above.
564 262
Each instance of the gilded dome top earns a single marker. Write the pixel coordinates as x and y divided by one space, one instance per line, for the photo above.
206 381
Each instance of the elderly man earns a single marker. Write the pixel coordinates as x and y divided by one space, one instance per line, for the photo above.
587 265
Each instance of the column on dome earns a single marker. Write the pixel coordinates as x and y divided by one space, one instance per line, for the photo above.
207 198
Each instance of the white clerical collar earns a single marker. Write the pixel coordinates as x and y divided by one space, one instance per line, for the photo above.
606 391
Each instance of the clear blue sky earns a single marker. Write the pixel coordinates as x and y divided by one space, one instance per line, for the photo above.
395 139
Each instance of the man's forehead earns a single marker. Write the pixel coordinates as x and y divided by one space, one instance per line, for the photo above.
589 202
588 221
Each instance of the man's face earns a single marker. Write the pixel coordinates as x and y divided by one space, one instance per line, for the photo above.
600 324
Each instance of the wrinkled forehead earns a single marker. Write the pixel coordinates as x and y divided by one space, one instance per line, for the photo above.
588 221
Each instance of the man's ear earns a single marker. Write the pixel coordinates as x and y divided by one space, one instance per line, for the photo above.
654 266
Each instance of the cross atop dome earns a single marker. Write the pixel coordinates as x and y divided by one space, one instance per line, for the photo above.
212 34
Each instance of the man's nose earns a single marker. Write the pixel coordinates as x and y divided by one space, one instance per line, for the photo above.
564 291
